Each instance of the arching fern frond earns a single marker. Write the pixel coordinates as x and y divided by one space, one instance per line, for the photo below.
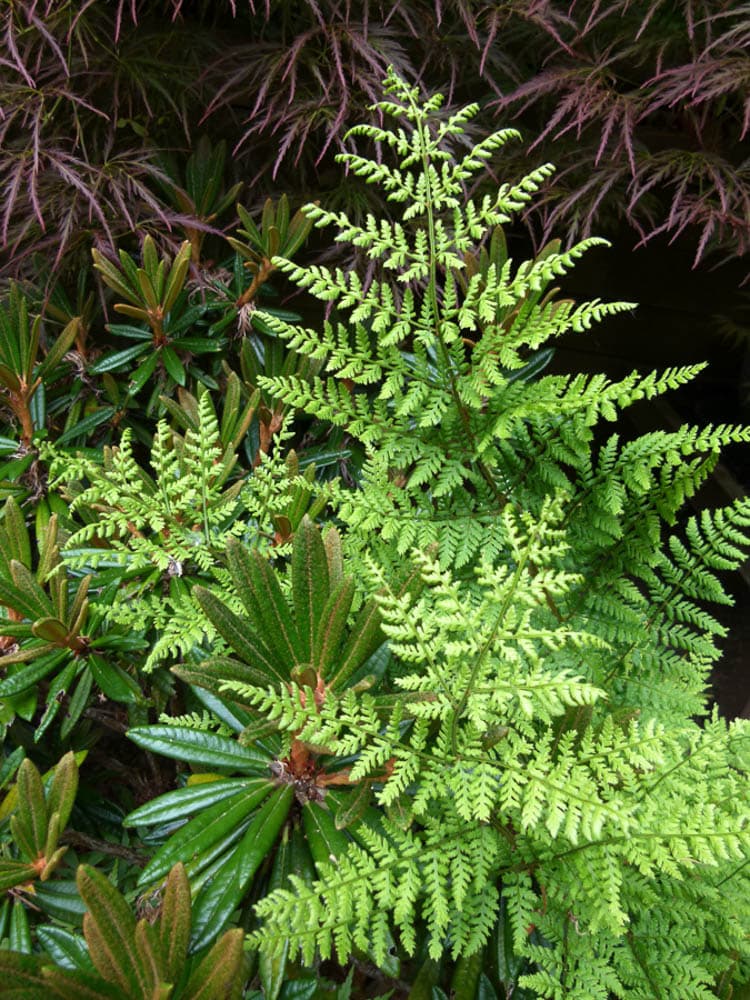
533 755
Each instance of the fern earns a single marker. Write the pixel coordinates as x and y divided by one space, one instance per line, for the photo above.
433 355
534 755
201 722
162 530
498 779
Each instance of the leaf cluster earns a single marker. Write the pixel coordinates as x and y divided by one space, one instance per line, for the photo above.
123 959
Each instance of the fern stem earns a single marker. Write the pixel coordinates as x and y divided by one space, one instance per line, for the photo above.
435 307
487 645
643 967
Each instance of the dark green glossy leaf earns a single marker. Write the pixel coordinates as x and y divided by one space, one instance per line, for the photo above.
231 715
199 749
20 933
143 373
226 320
55 692
173 365
12 470
466 976
113 681
119 359
60 899
221 895
301 862
35 671
67 950
272 966
15 873
537 363
132 332
181 802
88 424
77 704
187 320
10 765
199 345
353 805
323 458
283 314
485 989
327 843
205 830
38 407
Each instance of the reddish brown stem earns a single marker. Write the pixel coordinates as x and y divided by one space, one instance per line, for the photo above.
265 270
19 403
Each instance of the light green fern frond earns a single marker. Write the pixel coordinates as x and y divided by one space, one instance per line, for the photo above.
201 722
534 756
168 527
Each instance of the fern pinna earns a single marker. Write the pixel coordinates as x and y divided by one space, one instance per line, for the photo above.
534 745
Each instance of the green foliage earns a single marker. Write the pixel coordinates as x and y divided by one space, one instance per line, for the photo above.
308 643
278 234
37 819
131 960
172 525
452 423
56 634
539 744
456 739
200 194
491 777
175 516
301 641
27 372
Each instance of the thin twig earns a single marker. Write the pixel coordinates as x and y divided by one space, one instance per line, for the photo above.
82 840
